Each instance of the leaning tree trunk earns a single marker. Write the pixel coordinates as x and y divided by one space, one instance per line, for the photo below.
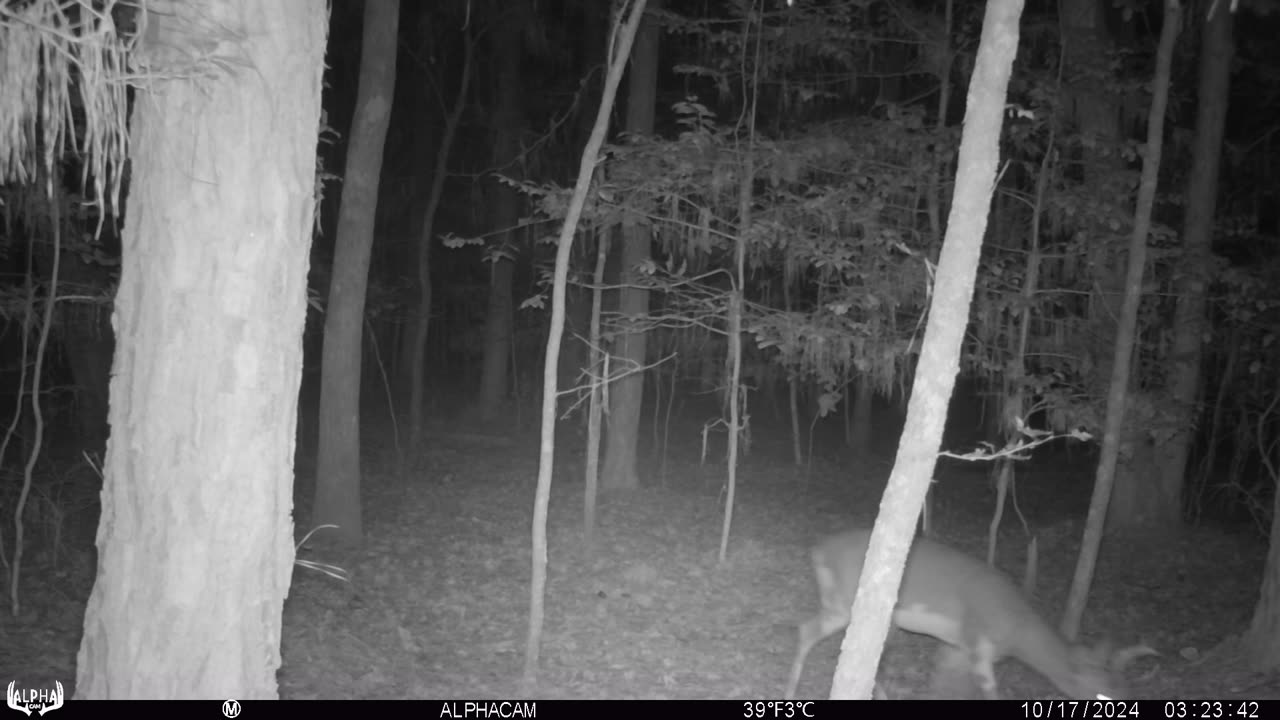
939 356
1126 331
633 301
195 543
337 500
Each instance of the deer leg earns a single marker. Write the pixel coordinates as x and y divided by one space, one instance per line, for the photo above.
811 633
984 669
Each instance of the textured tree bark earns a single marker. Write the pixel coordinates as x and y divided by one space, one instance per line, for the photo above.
195 542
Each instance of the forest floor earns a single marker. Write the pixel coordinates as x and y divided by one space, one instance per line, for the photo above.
437 605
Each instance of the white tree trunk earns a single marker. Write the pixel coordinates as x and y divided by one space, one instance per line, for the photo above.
195 544
939 356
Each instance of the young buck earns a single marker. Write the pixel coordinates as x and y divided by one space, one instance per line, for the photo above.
967 604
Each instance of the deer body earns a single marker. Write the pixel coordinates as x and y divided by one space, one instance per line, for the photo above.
962 602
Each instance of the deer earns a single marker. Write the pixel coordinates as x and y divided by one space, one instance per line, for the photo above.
970 606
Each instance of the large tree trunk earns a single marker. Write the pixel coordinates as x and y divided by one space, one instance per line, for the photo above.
337 500
633 302
195 543
1216 49
939 356
508 121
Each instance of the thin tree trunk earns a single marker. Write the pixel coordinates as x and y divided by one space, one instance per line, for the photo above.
195 542
599 379
793 402
88 343
546 456
1126 331
337 498
939 356
83 329
421 323
1012 401
733 343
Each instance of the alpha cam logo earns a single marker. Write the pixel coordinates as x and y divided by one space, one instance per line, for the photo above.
40 701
